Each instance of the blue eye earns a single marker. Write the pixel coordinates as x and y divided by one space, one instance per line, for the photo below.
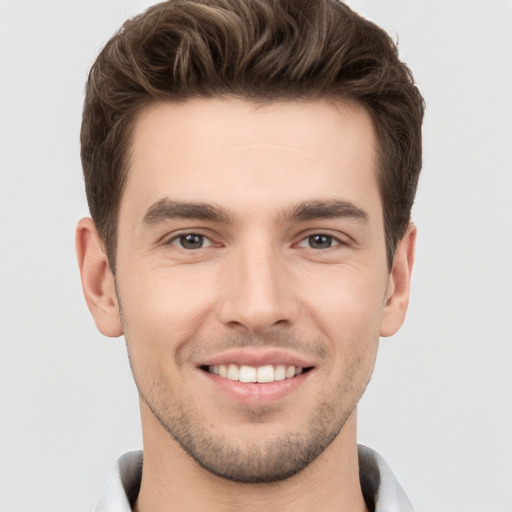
319 241
191 241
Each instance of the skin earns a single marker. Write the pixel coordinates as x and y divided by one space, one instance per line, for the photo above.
275 279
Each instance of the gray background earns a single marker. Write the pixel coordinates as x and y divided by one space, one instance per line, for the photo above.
440 404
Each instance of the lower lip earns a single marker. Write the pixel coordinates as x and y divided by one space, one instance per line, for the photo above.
256 393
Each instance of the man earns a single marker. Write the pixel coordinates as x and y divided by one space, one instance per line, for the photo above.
250 168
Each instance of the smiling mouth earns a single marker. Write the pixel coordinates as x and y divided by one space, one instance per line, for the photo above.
259 374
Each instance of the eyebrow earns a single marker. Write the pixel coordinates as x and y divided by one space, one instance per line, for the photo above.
166 209
329 209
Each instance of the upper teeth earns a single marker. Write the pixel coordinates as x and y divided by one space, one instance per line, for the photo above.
268 373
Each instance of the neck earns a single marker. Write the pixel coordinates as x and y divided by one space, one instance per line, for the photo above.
172 480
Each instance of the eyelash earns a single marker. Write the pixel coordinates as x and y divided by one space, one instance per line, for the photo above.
180 237
335 241
178 240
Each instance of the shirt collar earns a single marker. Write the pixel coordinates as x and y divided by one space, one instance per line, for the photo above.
380 486
123 484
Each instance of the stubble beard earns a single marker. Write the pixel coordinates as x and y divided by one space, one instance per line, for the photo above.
249 460
254 462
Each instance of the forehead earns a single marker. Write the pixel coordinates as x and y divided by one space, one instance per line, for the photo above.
244 155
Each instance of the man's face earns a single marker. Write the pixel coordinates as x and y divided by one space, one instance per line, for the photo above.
251 246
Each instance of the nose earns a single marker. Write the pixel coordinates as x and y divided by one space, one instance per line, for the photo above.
257 291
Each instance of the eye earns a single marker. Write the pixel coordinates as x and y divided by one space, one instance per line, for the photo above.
319 241
191 241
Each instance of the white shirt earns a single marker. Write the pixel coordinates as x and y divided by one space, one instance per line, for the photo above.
377 481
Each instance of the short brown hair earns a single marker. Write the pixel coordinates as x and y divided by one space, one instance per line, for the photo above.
260 50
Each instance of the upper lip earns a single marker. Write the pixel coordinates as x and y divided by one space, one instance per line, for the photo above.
257 357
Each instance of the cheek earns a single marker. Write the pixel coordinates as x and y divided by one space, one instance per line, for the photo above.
348 314
164 305
157 322
349 300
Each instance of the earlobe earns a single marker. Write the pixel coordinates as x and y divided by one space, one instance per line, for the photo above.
97 279
397 296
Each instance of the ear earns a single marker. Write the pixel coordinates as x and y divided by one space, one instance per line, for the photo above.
97 279
397 294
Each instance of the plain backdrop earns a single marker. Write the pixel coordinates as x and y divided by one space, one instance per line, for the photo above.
439 407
